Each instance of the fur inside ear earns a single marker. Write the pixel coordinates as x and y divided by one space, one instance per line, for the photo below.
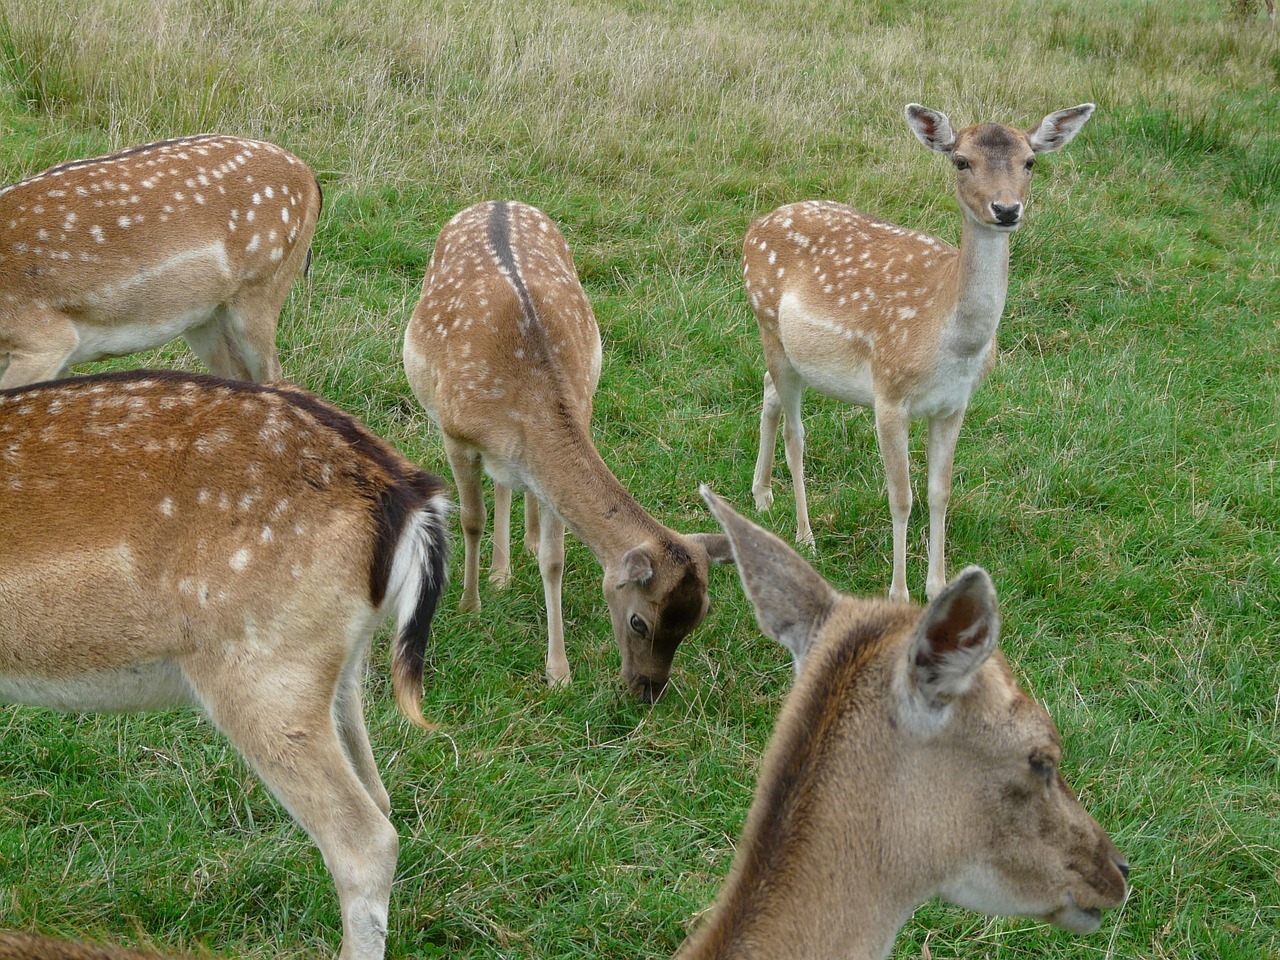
1059 129
791 599
637 566
931 128
716 545
956 634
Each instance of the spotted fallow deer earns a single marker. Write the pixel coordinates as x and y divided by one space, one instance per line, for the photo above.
199 237
503 352
177 539
907 763
892 319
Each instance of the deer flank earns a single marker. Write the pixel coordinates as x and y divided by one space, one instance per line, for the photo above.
174 539
199 237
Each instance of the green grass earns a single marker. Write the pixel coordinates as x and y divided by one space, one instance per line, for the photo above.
1116 474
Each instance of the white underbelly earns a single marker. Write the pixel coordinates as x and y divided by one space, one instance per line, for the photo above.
147 686
118 339
850 385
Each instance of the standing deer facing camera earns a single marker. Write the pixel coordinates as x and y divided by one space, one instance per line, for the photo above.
174 539
906 764
199 238
503 351
892 319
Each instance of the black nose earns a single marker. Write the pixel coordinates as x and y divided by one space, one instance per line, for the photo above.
648 689
1006 213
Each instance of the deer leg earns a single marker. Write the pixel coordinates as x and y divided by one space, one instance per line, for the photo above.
348 714
770 414
213 342
251 325
43 359
790 390
280 717
531 512
551 566
500 568
892 431
943 434
464 461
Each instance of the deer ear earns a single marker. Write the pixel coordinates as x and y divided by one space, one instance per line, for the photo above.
956 634
637 566
1058 129
716 545
790 598
931 128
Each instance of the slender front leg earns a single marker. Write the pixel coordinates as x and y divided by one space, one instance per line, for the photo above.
464 461
531 535
892 431
770 414
943 434
500 568
790 390
551 566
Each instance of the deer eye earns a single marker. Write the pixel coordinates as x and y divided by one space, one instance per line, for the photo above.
1031 162
961 163
638 625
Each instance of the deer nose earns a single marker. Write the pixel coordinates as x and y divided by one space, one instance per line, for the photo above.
1006 213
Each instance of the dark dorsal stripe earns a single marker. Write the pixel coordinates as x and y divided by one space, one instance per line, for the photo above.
500 241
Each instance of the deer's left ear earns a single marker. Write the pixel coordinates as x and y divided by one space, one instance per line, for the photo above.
1058 129
791 599
637 567
931 128
956 634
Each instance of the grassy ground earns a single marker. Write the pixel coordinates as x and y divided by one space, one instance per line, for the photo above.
1117 473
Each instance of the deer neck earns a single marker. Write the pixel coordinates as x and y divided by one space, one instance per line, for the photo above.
834 903
573 478
817 875
982 281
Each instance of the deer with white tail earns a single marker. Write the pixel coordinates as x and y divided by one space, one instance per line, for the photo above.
907 763
892 319
503 352
175 539
199 237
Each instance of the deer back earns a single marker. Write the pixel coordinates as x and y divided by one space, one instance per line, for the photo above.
149 515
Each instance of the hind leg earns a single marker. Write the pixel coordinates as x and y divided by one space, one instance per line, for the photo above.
348 714
25 358
280 716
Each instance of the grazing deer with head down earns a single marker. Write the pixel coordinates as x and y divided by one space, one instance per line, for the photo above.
503 352
907 763
892 319
199 238
177 539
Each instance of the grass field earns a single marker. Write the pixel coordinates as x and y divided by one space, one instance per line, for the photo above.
1117 473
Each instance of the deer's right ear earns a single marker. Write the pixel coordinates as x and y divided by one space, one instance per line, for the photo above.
791 599
931 128
955 636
